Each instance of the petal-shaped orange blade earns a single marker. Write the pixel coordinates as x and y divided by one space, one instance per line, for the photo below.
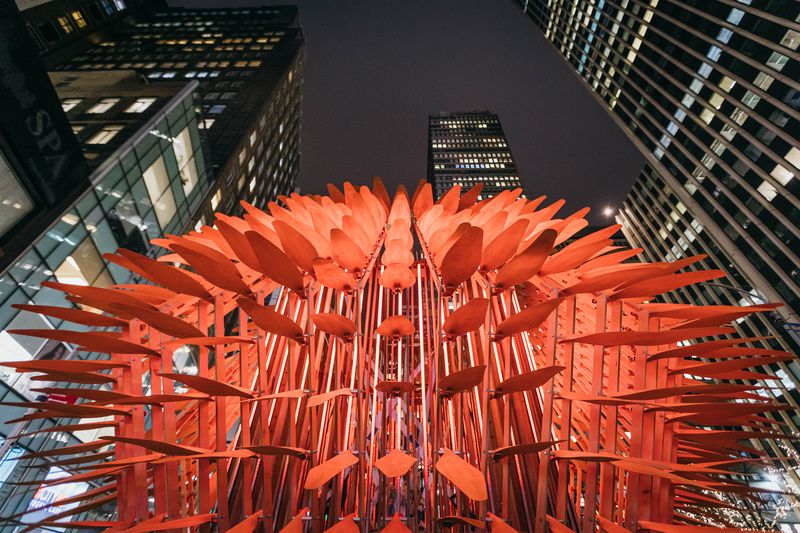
275 264
556 526
422 199
610 280
395 326
395 525
462 259
324 472
91 341
211 341
335 324
158 446
75 377
463 475
395 463
345 525
85 410
469 198
240 245
249 524
346 252
223 274
158 399
227 454
662 284
397 252
171 325
296 246
319 399
608 526
296 393
572 256
61 365
449 200
278 450
397 277
395 388
296 524
209 386
527 381
526 319
67 450
519 449
178 523
168 276
333 276
271 321
527 264
462 380
498 252
466 318
77 316
648 338
499 525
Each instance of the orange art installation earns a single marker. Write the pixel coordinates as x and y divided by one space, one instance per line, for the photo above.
368 363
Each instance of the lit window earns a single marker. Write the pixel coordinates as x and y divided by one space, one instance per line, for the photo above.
84 267
735 16
65 24
726 84
120 4
777 61
156 180
105 134
763 81
182 146
791 39
68 104
103 105
216 199
140 105
79 19
781 174
207 123
716 100
767 190
216 109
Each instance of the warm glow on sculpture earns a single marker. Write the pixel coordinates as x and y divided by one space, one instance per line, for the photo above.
367 363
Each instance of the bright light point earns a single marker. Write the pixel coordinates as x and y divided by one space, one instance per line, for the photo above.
608 211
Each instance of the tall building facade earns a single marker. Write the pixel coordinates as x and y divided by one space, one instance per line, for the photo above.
709 92
156 117
249 66
468 148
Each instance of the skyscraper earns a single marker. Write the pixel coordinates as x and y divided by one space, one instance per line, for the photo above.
709 92
467 148
165 115
248 62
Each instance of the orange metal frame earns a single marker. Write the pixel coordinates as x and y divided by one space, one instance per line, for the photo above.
368 363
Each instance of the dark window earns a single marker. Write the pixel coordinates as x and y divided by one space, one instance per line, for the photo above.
48 32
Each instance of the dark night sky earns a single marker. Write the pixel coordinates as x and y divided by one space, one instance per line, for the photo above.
376 68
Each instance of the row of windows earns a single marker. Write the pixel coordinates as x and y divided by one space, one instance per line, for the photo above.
107 104
77 19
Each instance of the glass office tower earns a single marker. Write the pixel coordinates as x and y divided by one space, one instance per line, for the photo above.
467 148
710 93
